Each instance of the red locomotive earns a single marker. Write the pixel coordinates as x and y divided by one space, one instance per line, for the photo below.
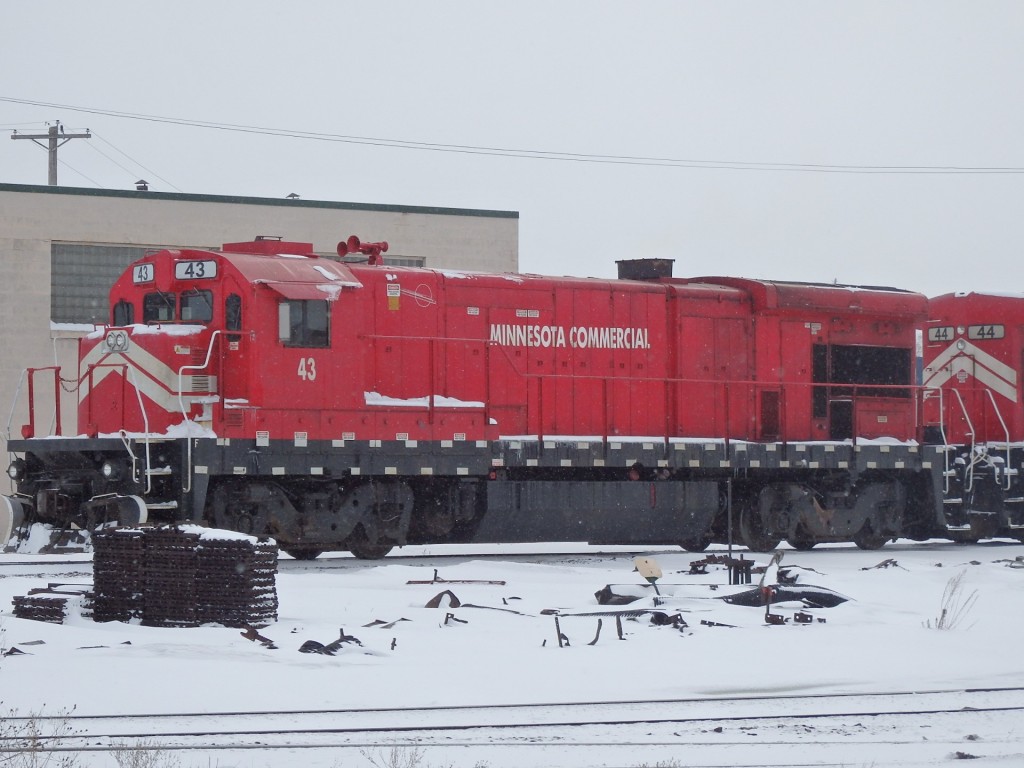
972 374
361 406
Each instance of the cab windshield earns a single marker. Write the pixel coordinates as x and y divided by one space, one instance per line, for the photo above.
192 306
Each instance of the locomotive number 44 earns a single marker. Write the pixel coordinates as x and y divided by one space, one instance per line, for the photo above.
307 368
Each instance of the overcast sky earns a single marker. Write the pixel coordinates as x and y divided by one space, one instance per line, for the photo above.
790 107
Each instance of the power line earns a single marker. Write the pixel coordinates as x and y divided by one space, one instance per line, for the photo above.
132 159
635 160
75 170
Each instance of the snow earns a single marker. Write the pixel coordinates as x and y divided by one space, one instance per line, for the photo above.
882 640
167 329
440 401
62 328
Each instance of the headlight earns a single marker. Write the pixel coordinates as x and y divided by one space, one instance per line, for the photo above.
16 471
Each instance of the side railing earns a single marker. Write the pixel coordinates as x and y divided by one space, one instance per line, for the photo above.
29 376
1007 469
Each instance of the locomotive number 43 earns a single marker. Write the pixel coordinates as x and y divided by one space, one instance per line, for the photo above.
307 368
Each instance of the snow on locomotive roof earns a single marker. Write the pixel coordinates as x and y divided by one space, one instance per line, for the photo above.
274 269
991 294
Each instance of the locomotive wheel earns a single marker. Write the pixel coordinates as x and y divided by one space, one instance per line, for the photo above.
698 544
304 553
360 546
801 540
866 538
753 533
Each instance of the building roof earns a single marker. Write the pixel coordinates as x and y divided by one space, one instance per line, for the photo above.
241 200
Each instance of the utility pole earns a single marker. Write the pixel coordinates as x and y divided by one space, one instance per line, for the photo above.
56 138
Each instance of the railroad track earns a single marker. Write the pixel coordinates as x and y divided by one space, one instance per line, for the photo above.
811 723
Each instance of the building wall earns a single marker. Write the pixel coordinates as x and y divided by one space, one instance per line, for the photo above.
33 218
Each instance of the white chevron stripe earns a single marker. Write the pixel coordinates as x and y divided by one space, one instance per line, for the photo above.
152 377
975 362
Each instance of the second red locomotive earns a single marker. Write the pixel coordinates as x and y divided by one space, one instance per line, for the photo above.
972 374
336 405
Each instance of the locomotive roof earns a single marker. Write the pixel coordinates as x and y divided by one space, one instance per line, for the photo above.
285 268
973 306
296 276
785 295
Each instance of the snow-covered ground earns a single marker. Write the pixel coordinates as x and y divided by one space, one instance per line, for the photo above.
500 647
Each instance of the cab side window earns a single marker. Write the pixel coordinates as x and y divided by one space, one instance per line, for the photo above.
124 314
304 323
233 312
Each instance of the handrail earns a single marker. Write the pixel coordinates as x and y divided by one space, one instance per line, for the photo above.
969 472
187 475
145 431
1006 432
14 403
925 394
30 374
206 363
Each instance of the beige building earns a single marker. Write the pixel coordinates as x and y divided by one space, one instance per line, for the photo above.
62 247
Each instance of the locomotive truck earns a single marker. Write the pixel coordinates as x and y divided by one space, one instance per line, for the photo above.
360 406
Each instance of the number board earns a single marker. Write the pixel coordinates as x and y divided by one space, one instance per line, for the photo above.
195 270
942 333
985 331
143 273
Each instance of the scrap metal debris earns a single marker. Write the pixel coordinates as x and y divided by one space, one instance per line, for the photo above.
436 600
661 619
740 569
438 580
810 596
563 640
384 624
494 608
250 633
1017 562
312 646
890 563
620 594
